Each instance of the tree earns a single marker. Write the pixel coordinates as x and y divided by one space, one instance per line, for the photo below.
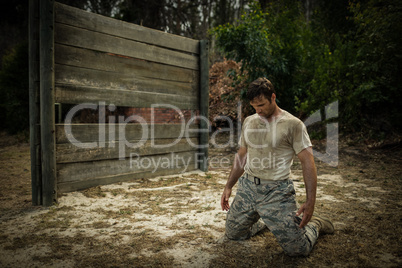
146 13
354 58
190 18
378 63
105 7
14 97
13 25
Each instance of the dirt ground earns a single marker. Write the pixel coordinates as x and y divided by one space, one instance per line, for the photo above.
175 221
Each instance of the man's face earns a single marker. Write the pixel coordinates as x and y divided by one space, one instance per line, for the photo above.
263 107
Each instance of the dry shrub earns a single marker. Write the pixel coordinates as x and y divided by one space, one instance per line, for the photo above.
224 93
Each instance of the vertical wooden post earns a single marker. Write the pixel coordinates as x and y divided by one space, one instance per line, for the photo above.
204 104
34 107
47 113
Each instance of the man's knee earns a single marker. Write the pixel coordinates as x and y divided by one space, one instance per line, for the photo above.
297 249
235 231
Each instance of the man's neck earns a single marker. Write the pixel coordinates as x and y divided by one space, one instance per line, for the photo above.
275 115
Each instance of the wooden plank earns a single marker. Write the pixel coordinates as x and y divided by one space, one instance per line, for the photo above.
34 106
204 104
90 59
89 133
88 170
79 37
121 81
79 18
79 94
47 114
81 185
70 152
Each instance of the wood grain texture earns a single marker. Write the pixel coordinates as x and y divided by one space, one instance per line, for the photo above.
82 171
89 133
34 105
70 152
116 64
204 104
103 60
79 37
47 113
97 23
75 94
92 182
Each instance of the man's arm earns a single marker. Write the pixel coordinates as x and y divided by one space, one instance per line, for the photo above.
235 173
310 181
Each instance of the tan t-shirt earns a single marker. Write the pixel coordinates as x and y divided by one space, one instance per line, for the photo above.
271 146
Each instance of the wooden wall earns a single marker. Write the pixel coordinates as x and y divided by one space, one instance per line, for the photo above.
100 60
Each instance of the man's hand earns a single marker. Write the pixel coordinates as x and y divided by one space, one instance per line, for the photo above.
307 211
235 173
225 198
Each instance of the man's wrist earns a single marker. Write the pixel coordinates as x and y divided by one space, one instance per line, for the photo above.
228 187
310 202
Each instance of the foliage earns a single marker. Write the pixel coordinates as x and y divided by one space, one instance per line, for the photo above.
268 44
358 64
14 88
348 52
326 76
104 7
378 63
247 42
182 17
13 24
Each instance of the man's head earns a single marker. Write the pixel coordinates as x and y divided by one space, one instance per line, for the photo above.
260 87
261 94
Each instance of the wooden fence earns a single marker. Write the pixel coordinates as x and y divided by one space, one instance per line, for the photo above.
94 62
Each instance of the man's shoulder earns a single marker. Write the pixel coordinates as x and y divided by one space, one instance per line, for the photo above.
286 117
251 118
290 118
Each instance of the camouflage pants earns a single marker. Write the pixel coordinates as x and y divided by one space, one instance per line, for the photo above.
276 205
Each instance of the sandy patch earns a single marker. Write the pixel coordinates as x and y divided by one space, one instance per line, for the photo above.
182 211
174 221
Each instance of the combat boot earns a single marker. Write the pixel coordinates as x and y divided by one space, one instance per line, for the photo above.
324 225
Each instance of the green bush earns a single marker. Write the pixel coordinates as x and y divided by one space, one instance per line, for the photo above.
378 63
349 52
268 44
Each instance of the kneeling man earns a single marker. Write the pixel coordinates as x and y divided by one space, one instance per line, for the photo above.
269 140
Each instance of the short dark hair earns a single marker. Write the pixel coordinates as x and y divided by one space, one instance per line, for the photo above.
258 87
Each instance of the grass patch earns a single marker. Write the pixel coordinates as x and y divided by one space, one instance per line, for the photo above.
94 192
